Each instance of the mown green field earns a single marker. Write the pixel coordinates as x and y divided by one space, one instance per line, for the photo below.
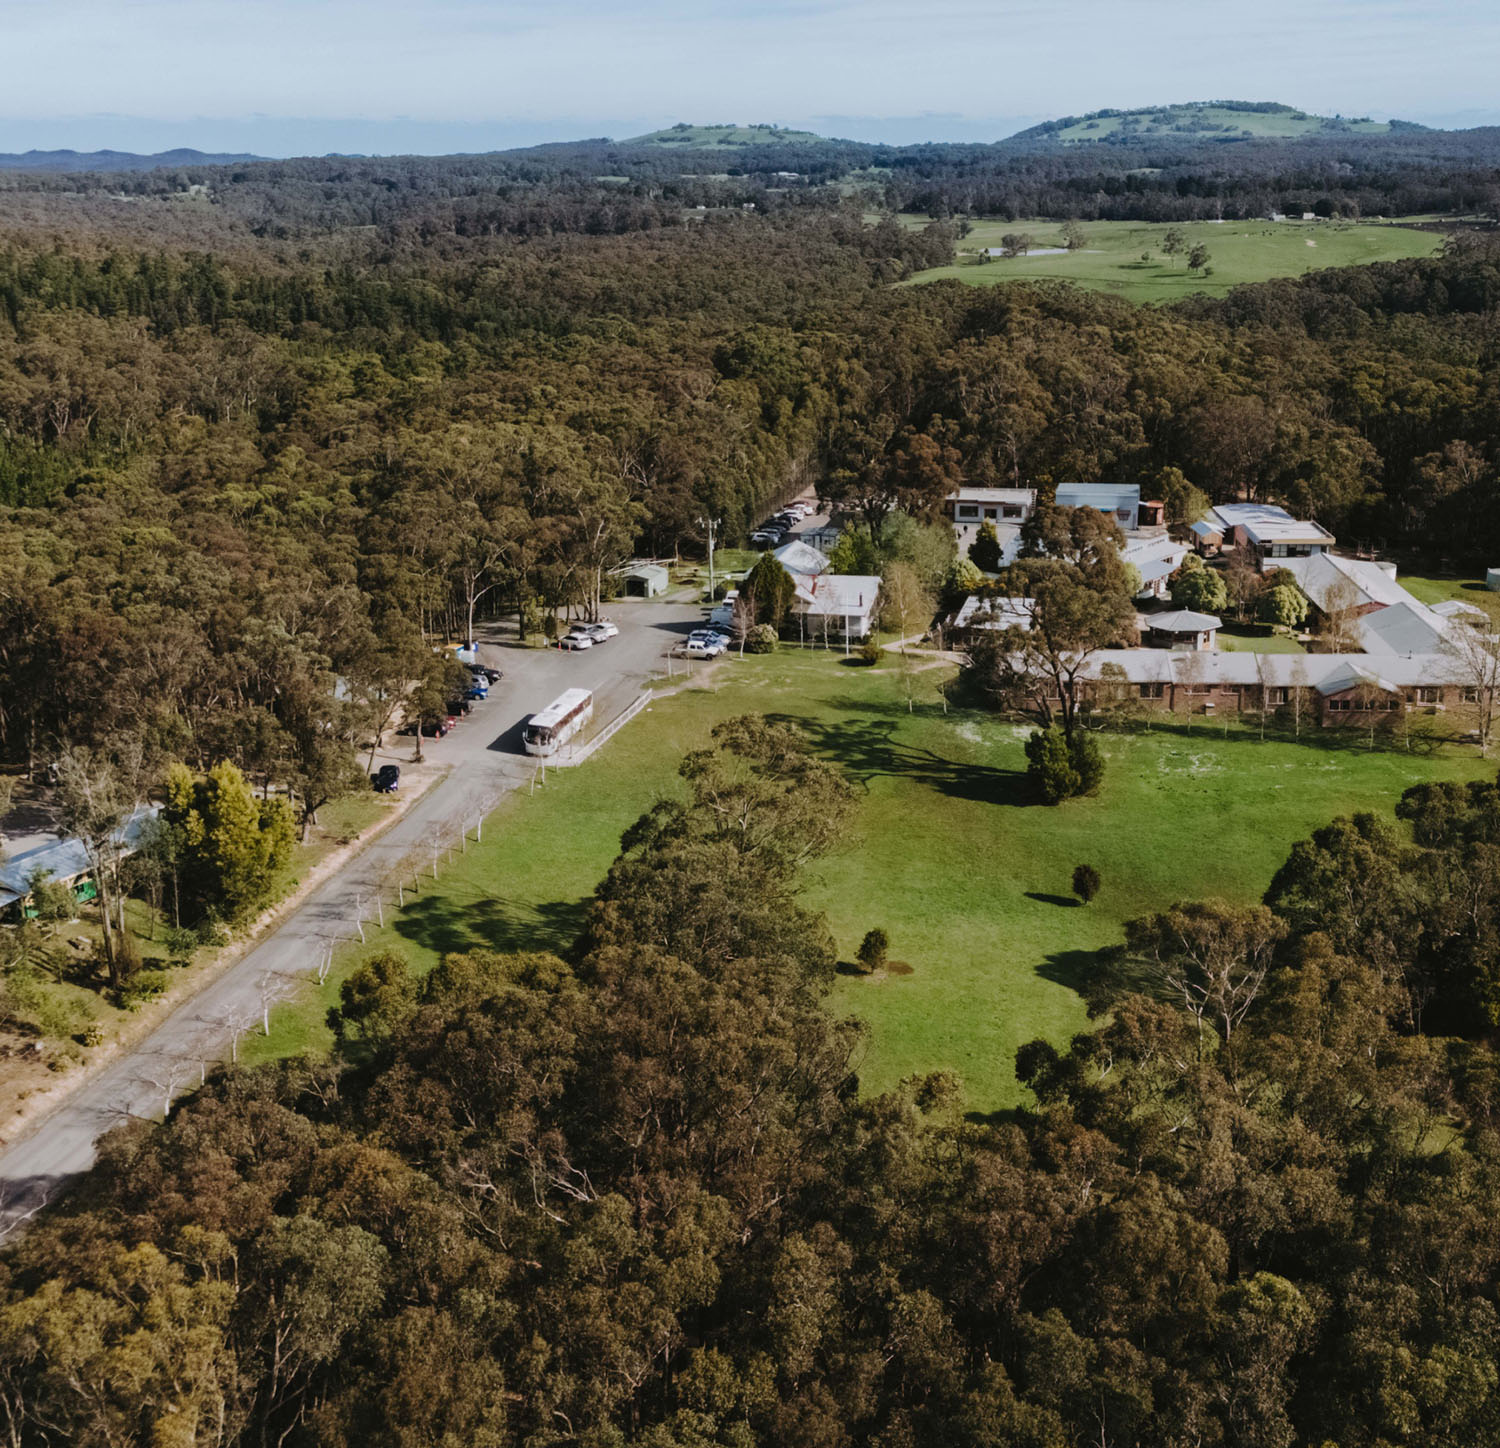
1240 251
968 877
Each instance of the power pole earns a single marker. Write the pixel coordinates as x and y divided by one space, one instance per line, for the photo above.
711 524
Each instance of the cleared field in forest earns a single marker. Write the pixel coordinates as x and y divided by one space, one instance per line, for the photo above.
1126 258
947 853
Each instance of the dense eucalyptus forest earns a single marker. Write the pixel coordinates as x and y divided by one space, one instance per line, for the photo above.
311 421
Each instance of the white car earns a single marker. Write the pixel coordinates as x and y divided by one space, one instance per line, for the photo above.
575 641
600 631
711 636
700 649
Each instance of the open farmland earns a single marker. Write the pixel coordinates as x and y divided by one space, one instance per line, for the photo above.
1126 259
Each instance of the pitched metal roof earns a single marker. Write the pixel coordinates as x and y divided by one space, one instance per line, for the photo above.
1106 497
63 860
1183 620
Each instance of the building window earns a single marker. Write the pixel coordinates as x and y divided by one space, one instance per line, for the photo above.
1338 706
1470 694
1011 510
1153 691
1429 696
1198 690
1276 696
968 510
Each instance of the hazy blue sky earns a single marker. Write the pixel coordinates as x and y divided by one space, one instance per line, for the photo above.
296 76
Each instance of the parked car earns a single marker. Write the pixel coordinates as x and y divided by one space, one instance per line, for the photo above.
479 688
491 676
766 537
700 648
431 728
602 630
386 779
575 641
710 636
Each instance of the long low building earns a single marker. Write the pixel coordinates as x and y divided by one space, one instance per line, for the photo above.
1338 688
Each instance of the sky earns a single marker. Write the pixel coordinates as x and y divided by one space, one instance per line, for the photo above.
300 77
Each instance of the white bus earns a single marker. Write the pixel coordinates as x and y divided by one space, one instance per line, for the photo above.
547 731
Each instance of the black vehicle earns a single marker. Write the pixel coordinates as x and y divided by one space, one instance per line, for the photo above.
492 676
457 708
386 779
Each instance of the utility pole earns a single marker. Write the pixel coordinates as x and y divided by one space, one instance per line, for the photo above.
711 524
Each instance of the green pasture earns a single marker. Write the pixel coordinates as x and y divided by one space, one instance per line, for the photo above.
1126 259
947 853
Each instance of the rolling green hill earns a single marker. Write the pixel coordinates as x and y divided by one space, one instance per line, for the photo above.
722 138
1205 121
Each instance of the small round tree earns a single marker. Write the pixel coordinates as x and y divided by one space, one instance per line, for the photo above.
984 551
1199 589
1060 768
873 950
761 639
1284 606
1085 882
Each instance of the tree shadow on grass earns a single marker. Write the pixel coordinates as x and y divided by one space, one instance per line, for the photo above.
1086 972
1102 976
868 750
1064 901
446 926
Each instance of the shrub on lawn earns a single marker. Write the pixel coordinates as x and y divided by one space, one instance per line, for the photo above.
1085 882
1061 770
761 639
147 985
869 653
873 950
180 942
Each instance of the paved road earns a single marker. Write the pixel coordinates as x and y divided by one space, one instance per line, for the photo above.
485 757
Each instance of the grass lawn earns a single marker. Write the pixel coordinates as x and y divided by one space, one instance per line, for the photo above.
1240 251
1431 590
1256 638
970 879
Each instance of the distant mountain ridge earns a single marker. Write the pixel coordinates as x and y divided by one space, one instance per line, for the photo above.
117 160
1206 121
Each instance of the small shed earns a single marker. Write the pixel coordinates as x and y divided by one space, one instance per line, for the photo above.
646 580
1208 534
1184 629
1492 579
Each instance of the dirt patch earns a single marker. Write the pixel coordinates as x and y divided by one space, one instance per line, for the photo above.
898 967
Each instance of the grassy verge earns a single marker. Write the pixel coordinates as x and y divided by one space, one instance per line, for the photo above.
1125 258
948 855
